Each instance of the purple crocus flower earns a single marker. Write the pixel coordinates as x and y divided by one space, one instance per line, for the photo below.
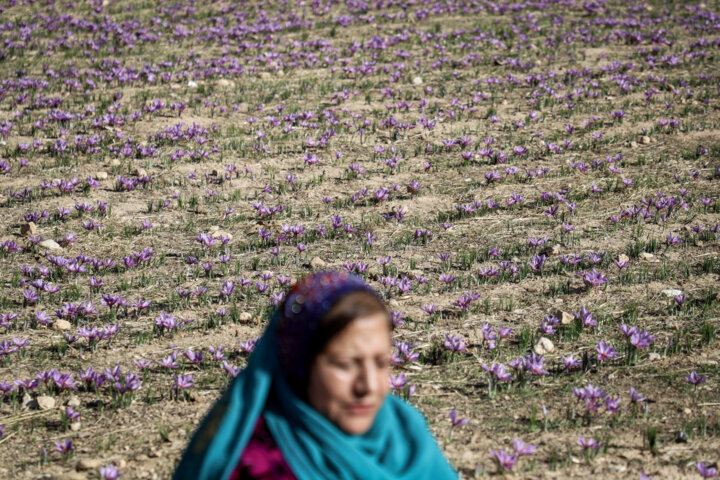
695 379
231 369
570 362
398 382
454 344
593 278
535 364
605 351
110 472
641 340
183 382
498 371
193 357
455 421
227 288
522 448
71 414
169 362
636 397
249 346
505 461
586 317
142 364
706 471
612 404
429 309
587 443
627 330
64 447
536 262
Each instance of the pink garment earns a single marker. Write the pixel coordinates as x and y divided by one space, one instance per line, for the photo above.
262 458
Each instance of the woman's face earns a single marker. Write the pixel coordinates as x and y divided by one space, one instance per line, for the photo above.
349 380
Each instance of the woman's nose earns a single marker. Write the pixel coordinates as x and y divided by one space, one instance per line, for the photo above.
366 381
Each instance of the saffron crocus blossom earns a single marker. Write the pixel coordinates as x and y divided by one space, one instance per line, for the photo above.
641 340
588 444
549 324
454 344
593 278
110 472
636 398
587 318
504 460
249 346
429 309
522 448
142 365
65 447
706 471
620 264
183 382
231 369
455 421
680 299
570 362
627 330
536 262
534 364
405 353
194 357
605 351
398 382
591 395
612 404
496 371
72 415
695 379
227 288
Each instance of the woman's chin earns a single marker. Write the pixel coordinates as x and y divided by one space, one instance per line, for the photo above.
356 424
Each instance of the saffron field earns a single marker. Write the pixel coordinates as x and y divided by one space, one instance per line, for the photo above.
532 186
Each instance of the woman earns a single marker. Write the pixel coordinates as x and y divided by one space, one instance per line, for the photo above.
312 402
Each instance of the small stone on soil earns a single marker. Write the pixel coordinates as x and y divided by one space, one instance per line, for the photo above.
50 245
43 402
28 230
543 346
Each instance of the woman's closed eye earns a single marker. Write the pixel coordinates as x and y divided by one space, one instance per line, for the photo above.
342 364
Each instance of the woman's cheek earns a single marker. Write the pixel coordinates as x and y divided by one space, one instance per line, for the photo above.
340 375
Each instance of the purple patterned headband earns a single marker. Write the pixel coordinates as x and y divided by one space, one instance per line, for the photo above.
300 314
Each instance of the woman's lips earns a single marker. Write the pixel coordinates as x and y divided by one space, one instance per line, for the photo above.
361 409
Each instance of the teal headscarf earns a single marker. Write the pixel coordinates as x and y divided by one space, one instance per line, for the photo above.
398 446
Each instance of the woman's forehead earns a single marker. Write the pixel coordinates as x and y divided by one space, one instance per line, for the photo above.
363 333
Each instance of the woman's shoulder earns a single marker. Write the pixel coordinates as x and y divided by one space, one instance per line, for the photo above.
262 459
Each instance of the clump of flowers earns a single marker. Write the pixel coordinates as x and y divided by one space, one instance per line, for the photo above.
401 385
593 278
496 373
454 345
636 340
506 461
